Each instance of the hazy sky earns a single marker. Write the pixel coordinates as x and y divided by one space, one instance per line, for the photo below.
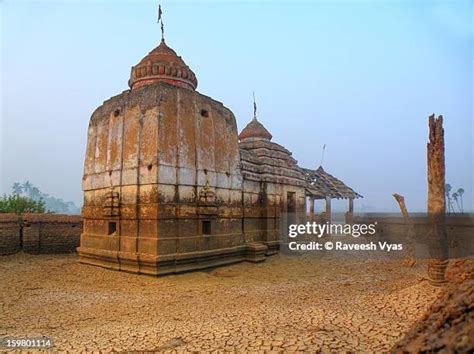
361 77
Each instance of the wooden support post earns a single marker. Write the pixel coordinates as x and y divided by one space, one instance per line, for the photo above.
328 209
311 208
350 211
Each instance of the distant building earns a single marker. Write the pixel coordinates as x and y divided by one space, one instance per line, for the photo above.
169 184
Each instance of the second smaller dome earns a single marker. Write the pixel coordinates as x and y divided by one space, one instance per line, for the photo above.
255 130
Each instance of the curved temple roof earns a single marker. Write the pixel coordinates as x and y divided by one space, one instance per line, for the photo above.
255 130
162 64
322 184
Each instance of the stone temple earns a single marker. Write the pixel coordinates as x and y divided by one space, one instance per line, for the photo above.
170 186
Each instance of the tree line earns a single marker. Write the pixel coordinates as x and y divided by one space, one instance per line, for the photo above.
27 198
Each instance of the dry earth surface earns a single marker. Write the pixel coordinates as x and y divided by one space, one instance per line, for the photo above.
290 304
448 325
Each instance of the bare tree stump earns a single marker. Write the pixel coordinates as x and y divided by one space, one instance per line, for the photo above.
437 202
410 261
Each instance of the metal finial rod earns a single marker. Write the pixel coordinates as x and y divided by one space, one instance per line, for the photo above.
160 21
254 107
322 155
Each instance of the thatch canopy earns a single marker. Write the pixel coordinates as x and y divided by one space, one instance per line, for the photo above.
321 184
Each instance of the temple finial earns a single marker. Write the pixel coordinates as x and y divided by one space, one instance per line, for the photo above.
254 107
160 21
322 155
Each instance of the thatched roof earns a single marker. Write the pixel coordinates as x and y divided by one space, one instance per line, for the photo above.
321 184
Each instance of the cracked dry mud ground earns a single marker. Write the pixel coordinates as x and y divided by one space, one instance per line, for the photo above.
284 303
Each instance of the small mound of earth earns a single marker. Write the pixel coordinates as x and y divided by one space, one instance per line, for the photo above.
448 326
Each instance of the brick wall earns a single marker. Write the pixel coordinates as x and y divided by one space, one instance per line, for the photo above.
39 233
10 241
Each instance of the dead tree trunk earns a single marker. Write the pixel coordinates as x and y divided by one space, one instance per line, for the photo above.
437 202
401 202
410 237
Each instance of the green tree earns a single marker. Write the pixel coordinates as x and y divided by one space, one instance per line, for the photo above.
17 188
27 187
20 205
35 193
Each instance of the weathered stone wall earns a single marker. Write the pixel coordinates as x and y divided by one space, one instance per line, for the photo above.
270 173
162 165
156 149
10 228
39 233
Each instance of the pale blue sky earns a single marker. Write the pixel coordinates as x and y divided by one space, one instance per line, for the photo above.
360 76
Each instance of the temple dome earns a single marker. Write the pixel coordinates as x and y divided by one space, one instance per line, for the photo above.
162 64
255 130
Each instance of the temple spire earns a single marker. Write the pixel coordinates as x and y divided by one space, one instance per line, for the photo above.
255 129
160 21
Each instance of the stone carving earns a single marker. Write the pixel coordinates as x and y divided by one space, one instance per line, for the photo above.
206 195
207 201
111 205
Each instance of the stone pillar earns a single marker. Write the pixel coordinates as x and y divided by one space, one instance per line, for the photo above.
437 202
311 208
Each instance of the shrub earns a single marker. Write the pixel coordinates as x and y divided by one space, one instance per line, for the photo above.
17 204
